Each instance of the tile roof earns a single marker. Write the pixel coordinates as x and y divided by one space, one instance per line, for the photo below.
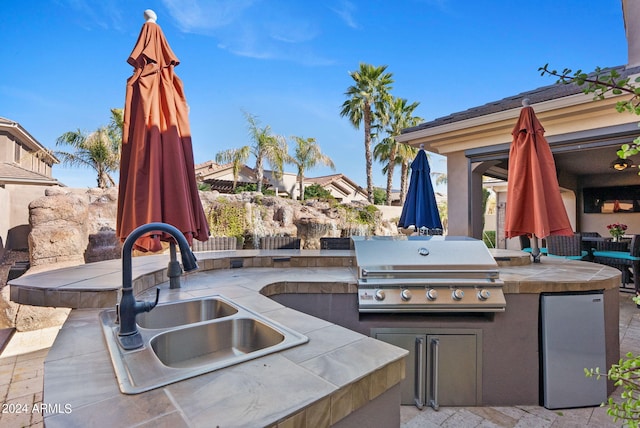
334 180
545 93
10 172
212 166
324 180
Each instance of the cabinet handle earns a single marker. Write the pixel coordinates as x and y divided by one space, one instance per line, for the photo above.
434 375
419 380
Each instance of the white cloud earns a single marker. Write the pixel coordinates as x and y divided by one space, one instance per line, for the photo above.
345 11
104 14
195 16
257 29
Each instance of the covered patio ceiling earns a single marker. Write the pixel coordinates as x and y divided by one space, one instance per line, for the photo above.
583 162
577 154
590 162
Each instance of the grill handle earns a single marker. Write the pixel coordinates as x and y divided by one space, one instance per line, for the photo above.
433 402
419 374
437 273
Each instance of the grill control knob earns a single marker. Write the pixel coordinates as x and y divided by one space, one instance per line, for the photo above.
432 294
484 294
379 295
405 295
457 294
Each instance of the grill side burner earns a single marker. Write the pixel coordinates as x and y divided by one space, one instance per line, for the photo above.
430 274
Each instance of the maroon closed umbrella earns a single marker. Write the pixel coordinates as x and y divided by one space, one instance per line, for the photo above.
534 203
157 176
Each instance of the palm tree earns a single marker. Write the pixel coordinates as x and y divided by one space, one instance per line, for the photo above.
307 155
99 150
381 152
405 155
441 177
400 117
237 157
116 124
267 146
366 102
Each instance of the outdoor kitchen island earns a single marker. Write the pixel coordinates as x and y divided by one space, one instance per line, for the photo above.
341 369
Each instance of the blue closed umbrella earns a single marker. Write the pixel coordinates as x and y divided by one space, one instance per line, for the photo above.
420 209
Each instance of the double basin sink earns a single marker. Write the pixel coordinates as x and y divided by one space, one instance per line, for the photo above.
192 337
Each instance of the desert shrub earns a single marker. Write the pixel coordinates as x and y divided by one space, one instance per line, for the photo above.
227 219
489 238
316 191
379 196
626 374
253 187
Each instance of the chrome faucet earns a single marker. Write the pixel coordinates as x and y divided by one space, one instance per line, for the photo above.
128 335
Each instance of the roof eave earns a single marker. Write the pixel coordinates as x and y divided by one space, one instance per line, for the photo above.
23 135
30 181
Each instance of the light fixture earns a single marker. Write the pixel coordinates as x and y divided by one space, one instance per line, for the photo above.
621 164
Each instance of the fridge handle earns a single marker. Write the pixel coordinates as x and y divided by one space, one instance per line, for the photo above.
418 382
433 402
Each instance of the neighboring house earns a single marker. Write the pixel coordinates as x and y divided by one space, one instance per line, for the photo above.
284 185
220 177
25 173
341 187
583 134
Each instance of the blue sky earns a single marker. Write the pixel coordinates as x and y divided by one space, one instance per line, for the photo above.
287 62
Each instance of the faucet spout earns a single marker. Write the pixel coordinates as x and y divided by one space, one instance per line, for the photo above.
128 335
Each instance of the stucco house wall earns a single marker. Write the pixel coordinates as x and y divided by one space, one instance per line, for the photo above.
286 183
5 219
25 173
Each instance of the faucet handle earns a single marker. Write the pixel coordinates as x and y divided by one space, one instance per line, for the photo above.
146 305
154 304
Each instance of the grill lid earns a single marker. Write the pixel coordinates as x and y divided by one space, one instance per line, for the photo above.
427 274
426 255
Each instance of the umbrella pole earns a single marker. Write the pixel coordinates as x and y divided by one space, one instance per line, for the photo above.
173 269
535 250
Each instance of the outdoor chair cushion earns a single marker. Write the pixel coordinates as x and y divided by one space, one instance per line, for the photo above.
622 260
584 254
543 250
616 255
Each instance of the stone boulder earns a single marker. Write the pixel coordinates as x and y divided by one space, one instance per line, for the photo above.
310 230
23 317
27 317
103 243
59 228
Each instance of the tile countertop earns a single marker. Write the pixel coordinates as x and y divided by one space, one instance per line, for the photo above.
334 374
97 285
318 383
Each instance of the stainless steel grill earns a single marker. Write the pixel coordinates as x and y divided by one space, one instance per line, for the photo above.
427 274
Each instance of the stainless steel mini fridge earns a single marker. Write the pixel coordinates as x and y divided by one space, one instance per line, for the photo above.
572 330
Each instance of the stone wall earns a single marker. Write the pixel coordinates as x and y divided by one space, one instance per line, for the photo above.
73 226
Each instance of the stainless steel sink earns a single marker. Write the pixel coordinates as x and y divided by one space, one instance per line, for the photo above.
190 338
185 312
212 342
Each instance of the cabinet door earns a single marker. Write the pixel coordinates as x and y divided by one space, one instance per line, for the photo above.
452 374
414 364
